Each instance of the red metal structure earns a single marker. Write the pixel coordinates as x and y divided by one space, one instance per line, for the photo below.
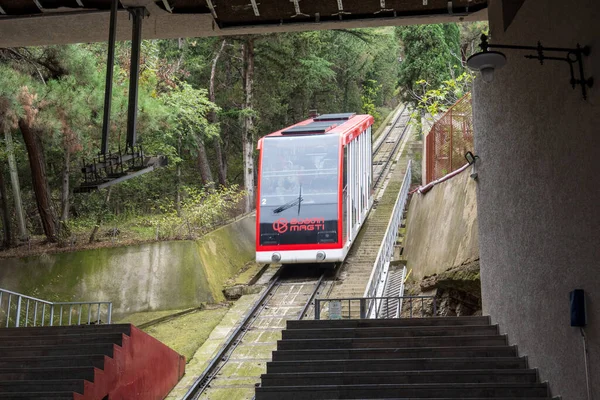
142 368
449 139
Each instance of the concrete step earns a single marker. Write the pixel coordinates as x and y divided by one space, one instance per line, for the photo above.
38 396
399 377
56 373
401 322
378 332
454 391
403 364
363 343
63 385
390 353
65 330
40 340
94 360
63 350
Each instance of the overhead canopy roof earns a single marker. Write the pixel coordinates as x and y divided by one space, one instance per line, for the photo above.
36 22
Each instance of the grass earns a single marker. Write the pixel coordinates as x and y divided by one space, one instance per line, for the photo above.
187 333
145 317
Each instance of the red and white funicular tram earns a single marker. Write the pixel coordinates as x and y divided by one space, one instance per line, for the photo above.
314 189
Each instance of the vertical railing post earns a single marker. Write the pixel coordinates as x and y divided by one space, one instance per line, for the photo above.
35 313
110 312
52 315
317 309
8 311
26 313
18 320
363 308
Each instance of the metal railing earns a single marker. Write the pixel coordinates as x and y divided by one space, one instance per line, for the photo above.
18 310
376 283
405 307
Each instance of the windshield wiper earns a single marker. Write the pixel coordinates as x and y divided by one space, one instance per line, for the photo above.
290 204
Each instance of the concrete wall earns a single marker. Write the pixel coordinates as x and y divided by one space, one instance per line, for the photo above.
441 227
539 191
151 276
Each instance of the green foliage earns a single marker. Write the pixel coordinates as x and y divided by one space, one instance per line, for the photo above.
431 53
202 210
331 71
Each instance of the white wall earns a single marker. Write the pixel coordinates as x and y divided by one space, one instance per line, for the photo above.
539 191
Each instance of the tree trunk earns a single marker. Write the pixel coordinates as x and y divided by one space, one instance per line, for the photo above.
248 129
7 237
203 164
212 118
178 179
40 182
16 186
64 198
63 229
100 215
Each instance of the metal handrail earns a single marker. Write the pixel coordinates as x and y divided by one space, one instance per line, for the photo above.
364 301
386 250
22 310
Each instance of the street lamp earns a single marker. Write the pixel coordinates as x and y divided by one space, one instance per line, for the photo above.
487 61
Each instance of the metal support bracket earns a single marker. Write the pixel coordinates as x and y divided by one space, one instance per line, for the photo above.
110 67
297 9
137 15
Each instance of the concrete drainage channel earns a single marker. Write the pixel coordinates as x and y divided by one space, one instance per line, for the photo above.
234 371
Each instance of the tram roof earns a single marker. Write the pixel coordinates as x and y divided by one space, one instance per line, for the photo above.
348 125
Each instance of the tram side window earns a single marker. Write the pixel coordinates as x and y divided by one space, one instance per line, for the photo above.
345 195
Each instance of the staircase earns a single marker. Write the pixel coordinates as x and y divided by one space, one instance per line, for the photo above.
419 358
394 287
85 362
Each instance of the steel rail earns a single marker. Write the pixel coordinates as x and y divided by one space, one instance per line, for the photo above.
307 305
391 155
311 298
381 142
210 371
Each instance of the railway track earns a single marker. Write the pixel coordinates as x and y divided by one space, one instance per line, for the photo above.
386 146
237 366
235 370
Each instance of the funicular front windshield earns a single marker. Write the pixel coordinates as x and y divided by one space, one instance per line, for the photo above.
299 186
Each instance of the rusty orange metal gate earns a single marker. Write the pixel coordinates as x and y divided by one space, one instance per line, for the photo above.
449 139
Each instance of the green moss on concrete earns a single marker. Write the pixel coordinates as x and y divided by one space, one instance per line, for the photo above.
233 393
187 333
246 274
145 277
225 250
147 316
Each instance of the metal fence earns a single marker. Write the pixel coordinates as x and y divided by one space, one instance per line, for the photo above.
376 283
18 310
449 139
406 307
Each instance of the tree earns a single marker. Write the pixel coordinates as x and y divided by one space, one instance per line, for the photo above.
37 163
248 115
9 110
190 128
7 237
430 53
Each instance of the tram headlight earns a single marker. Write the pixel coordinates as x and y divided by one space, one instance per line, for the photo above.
276 257
321 256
